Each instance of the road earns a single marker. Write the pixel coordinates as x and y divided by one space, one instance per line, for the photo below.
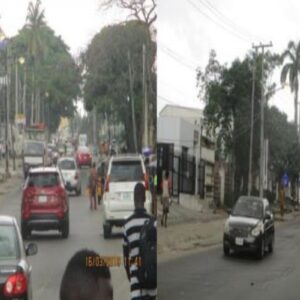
54 252
209 275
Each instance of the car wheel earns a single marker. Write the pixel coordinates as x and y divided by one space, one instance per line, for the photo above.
106 231
25 231
65 229
261 249
226 250
271 245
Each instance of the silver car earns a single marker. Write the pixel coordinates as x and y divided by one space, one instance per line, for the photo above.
71 174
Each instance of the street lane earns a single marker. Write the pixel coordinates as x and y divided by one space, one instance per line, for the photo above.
54 252
209 275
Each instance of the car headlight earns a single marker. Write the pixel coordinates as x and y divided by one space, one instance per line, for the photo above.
226 227
259 228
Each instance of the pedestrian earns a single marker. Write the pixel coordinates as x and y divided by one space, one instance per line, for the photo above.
165 199
139 242
92 187
83 279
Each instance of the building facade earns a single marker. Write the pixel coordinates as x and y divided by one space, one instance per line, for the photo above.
186 150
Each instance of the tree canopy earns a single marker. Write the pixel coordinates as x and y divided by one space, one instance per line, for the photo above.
226 91
107 73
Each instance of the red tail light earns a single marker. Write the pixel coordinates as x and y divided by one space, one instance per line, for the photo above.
28 196
106 189
15 285
146 180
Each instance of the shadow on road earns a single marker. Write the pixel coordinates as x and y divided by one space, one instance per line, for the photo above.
243 257
42 236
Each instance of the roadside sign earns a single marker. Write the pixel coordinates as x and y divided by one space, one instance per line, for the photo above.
285 180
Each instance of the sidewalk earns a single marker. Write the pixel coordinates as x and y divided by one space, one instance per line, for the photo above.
14 181
188 230
191 231
13 173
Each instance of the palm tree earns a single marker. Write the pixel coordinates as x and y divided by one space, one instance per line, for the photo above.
35 23
291 69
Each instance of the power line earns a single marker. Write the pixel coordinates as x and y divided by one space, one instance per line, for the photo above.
227 21
177 58
229 30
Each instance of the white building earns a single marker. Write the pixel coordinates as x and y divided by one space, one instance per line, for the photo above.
181 128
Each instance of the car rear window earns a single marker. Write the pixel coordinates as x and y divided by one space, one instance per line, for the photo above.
84 150
34 149
8 242
126 171
67 165
44 179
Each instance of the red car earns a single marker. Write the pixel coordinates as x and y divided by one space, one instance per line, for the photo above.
45 203
83 156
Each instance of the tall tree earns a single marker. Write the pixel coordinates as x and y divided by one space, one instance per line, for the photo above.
142 10
35 23
107 81
291 69
227 94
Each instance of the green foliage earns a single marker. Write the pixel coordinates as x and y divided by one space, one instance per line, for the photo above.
56 75
284 147
107 79
291 70
227 92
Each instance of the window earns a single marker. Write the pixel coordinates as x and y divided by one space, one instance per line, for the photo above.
184 159
43 180
126 171
34 149
8 242
248 207
67 164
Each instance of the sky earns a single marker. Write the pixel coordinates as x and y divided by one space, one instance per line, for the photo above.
189 29
76 21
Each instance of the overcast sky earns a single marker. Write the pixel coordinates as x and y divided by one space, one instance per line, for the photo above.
189 29
77 21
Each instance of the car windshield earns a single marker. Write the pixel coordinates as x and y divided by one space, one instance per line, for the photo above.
49 179
8 242
67 164
126 171
84 150
34 149
248 207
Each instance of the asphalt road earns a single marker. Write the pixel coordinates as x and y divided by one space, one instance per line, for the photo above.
209 275
54 252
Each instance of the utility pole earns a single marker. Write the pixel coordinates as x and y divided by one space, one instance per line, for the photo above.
252 116
16 89
94 128
145 90
262 103
7 110
132 102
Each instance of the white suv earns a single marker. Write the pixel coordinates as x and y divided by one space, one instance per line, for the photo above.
124 172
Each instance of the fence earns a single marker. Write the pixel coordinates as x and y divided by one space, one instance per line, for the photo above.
181 169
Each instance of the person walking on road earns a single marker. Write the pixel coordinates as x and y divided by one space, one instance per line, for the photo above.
84 279
141 287
92 187
165 199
